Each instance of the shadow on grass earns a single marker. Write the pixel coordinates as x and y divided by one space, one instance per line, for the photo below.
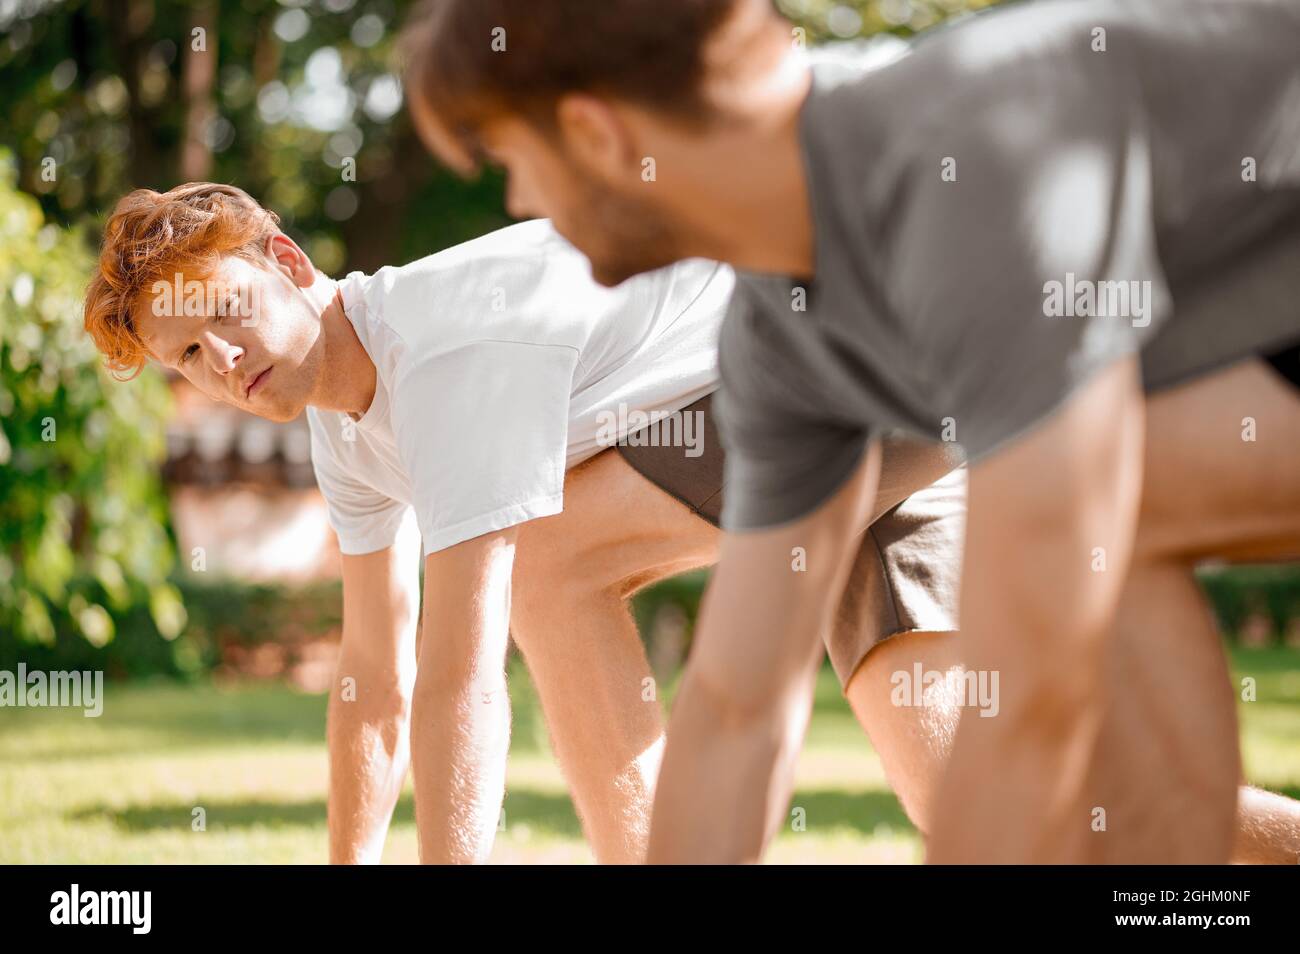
544 811
548 812
861 811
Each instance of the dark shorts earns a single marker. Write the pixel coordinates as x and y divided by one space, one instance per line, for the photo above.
908 569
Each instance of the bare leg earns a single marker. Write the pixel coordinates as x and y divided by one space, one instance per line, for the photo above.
913 743
1247 507
1033 612
1166 671
1208 493
1268 829
573 575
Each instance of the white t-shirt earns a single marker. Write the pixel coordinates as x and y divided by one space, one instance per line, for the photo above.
494 362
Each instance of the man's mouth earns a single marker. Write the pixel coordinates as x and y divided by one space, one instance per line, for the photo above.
256 383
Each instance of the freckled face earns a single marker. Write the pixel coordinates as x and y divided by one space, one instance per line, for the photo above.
248 336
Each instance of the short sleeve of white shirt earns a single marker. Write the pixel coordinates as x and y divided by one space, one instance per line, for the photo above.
482 430
364 519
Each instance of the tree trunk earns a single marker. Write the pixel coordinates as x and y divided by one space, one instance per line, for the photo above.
128 21
198 81
372 235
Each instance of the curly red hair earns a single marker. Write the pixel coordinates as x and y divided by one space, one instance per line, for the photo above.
154 236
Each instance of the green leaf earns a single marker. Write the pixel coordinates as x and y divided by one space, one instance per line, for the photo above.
34 622
168 610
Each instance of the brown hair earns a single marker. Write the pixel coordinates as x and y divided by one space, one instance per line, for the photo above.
646 51
152 236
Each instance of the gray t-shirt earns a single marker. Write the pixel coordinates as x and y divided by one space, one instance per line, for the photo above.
1020 200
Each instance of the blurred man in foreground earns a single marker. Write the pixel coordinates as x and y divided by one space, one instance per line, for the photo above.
1009 237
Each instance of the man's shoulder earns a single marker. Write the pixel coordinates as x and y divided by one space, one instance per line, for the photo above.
761 351
441 275
959 79
485 289
982 104
521 240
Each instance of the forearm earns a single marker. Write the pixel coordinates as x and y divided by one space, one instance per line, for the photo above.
459 740
368 721
740 717
1038 615
369 754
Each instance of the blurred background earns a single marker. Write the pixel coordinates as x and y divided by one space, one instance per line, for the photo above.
181 547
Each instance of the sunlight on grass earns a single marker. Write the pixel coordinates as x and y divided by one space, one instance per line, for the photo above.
124 788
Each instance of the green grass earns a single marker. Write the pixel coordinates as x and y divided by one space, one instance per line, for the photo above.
122 788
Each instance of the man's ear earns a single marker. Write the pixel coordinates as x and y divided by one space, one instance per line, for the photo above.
596 135
292 260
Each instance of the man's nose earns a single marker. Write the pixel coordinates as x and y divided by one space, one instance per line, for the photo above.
222 355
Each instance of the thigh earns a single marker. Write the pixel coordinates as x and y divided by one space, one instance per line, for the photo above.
617 529
912 733
1222 468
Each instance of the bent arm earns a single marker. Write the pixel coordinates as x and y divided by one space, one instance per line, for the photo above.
461 714
740 718
369 705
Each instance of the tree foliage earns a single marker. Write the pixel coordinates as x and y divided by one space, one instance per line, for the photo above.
296 102
82 518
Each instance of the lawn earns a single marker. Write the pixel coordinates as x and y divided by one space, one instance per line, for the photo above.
123 788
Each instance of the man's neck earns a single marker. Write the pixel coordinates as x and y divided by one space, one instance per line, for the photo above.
347 379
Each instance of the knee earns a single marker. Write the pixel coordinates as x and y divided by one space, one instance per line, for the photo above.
547 567
544 594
